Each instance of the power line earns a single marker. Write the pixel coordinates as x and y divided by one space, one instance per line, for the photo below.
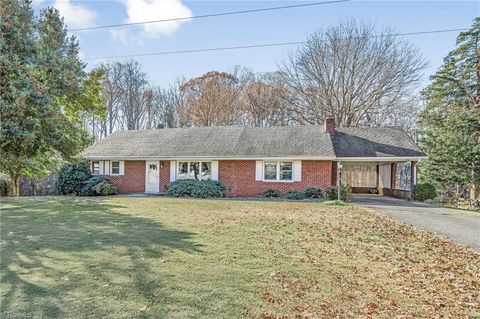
210 15
258 45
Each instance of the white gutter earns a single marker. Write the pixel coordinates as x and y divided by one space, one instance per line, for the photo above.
193 158
377 159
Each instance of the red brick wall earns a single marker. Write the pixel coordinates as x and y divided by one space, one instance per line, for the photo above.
134 179
164 175
239 177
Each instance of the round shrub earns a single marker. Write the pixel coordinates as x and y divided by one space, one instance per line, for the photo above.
72 177
195 188
106 188
208 189
272 193
296 195
313 192
88 186
424 191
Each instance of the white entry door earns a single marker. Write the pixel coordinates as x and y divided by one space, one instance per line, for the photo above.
152 177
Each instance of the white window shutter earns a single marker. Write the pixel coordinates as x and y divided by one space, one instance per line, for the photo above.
101 168
173 171
297 171
259 170
121 168
214 173
107 168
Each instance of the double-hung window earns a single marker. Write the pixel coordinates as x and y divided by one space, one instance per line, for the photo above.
95 168
194 170
277 171
115 167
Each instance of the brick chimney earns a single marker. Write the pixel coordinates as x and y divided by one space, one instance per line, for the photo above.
330 125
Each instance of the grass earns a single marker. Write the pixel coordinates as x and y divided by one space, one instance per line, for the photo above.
126 257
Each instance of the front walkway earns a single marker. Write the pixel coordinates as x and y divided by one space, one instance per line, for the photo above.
454 224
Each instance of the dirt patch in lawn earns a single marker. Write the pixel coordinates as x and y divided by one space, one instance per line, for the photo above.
157 257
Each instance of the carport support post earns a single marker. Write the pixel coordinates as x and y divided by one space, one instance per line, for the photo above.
339 180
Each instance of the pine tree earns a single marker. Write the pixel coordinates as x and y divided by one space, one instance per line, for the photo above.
451 119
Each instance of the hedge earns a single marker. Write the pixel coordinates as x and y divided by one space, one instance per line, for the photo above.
196 189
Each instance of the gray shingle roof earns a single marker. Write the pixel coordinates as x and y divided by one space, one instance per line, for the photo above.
374 142
216 142
246 142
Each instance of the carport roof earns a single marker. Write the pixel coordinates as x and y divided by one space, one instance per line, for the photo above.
374 142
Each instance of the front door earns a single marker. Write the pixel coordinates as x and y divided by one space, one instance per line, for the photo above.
152 178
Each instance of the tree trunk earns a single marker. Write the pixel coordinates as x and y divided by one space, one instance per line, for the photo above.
14 185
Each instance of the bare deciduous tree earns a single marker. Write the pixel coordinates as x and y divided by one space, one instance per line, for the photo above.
350 72
135 95
212 99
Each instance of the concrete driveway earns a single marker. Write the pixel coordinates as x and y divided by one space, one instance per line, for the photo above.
464 228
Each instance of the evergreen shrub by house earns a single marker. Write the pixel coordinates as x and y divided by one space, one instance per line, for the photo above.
72 177
295 194
272 193
196 189
313 192
87 189
424 192
105 188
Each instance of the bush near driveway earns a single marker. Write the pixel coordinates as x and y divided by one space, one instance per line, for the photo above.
196 189
424 192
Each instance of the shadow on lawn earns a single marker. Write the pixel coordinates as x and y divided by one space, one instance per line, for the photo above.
59 256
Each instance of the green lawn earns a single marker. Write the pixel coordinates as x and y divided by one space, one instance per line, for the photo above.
126 257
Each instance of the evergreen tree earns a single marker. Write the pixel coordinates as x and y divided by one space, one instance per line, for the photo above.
451 119
42 91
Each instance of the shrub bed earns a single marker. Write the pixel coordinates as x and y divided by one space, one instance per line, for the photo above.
196 189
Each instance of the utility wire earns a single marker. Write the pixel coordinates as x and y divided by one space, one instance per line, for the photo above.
259 45
210 15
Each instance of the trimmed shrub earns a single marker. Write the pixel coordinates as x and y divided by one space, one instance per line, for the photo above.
88 186
272 193
424 191
296 195
196 189
313 192
208 189
105 188
332 192
72 178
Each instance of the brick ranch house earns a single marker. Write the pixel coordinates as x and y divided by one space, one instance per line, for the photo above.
249 161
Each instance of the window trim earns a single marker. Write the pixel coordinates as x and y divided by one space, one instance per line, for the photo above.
200 162
111 168
277 177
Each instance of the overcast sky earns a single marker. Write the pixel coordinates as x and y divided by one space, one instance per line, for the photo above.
245 29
